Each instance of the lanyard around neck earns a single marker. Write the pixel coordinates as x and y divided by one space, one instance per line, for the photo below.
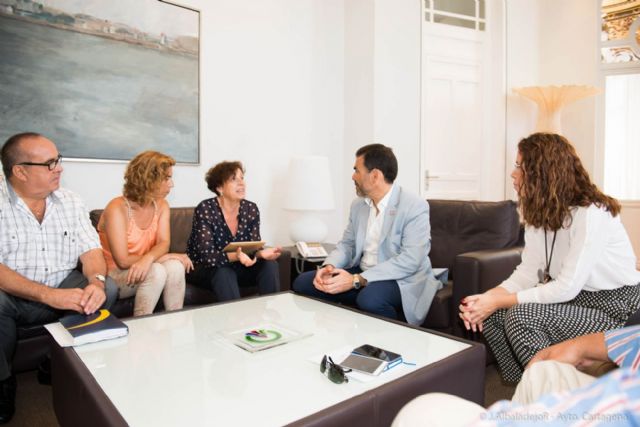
546 277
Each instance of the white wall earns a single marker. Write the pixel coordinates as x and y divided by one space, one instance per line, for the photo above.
569 42
358 87
551 42
523 63
397 75
382 84
271 86
285 77
495 117
630 217
324 77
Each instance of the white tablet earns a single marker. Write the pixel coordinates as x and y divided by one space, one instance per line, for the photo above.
247 247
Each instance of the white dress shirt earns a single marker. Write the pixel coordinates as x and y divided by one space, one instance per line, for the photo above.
45 252
374 230
592 253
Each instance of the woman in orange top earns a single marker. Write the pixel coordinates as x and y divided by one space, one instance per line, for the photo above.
134 233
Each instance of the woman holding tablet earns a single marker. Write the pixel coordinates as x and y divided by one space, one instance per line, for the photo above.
134 233
226 219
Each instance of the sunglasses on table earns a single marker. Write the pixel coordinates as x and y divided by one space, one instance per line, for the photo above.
50 164
336 373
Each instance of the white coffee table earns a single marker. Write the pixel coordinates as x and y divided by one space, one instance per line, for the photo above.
178 369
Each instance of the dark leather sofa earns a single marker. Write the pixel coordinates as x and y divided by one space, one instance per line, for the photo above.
34 341
480 243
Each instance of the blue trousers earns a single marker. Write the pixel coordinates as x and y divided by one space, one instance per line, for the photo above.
226 281
381 298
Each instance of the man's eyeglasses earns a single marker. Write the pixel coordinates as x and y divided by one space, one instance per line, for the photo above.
50 164
336 373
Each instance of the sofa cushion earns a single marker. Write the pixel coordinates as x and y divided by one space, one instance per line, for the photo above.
181 221
464 226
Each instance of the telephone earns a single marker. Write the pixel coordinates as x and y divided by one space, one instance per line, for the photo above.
311 250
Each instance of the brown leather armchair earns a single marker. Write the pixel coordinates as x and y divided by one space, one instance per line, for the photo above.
480 243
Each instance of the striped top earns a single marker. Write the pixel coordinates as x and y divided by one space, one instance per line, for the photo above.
612 400
623 347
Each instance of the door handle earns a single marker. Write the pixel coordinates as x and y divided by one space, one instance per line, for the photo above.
428 177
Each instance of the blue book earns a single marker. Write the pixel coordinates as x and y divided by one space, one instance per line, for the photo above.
99 326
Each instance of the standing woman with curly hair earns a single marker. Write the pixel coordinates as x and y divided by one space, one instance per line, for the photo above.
135 236
578 271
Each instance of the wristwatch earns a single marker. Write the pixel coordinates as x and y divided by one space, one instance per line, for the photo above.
100 277
356 282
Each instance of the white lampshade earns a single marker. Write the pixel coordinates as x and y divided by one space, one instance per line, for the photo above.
309 190
551 100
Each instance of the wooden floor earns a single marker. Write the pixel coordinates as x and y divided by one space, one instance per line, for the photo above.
34 406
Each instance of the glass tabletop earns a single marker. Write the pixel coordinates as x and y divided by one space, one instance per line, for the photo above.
183 368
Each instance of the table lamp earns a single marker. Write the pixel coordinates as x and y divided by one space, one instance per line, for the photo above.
309 191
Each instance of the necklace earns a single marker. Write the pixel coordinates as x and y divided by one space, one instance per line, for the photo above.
544 276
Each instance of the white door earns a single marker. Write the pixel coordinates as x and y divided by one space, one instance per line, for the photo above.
452 125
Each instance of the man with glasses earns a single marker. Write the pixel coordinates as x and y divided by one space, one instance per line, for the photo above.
44 231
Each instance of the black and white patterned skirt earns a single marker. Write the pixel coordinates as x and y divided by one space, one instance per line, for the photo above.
516 334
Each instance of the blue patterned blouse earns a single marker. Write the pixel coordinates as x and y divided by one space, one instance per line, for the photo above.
210 233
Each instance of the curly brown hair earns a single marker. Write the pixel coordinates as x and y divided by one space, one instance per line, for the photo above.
554 181
221 173
144 174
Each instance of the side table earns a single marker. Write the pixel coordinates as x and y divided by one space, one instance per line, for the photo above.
300 264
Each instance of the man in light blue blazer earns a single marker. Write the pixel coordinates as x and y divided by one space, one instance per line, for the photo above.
382 264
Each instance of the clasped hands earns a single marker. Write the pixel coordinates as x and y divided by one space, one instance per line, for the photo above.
474 309
333 280
85 301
